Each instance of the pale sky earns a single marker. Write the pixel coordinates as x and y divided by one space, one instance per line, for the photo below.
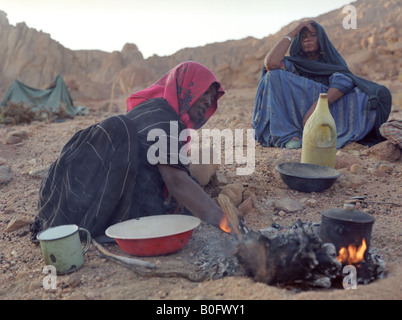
159 27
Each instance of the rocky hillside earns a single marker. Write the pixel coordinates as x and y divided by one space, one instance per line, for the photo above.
373 50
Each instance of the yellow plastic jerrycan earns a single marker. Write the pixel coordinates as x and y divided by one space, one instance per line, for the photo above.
319 136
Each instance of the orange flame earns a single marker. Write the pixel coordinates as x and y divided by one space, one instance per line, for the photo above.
224 225
351 254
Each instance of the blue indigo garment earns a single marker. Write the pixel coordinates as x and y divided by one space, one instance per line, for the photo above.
285 95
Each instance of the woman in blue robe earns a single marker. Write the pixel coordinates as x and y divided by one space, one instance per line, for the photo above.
290 86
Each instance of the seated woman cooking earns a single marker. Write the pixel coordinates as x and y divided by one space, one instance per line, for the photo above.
106 173
290 86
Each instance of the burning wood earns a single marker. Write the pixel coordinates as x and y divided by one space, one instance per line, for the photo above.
224 225
296 255
351 254
285 257
232 217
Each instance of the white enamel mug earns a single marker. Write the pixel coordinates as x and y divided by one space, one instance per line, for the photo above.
61 247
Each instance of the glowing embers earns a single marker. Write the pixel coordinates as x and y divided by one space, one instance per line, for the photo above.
224 225
351 254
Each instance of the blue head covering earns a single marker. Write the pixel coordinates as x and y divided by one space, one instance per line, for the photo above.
328 51
330 62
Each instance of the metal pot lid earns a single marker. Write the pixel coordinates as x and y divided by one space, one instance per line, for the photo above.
348 214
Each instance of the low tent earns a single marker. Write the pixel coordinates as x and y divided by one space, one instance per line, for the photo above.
56 98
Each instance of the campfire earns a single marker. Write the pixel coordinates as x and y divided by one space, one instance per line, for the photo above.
298 256
224 225
231 222
351 254
305 255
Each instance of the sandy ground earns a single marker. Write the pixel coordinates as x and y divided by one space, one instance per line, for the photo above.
21 263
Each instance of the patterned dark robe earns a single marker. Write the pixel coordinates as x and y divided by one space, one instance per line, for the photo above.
103 175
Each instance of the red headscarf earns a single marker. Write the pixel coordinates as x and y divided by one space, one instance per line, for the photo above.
181 87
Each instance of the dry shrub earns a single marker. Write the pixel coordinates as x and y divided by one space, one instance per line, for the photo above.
18 113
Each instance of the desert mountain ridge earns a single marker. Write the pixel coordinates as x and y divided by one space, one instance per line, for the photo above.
373 50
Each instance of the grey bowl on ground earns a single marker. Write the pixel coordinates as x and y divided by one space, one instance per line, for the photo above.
306 177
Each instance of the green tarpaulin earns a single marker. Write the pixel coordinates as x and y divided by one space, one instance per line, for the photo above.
56 98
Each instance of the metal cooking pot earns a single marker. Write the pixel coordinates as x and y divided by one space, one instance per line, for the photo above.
345 226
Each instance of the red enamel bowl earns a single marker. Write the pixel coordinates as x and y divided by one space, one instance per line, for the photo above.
153 235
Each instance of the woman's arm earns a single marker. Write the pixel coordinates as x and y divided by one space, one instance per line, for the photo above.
275 56
186 191
333 94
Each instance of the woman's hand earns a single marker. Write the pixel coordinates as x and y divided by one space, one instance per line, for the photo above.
295 31
273 59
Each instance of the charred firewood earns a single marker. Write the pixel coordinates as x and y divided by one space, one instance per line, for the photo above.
371 268
293 256
289 257
286 256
